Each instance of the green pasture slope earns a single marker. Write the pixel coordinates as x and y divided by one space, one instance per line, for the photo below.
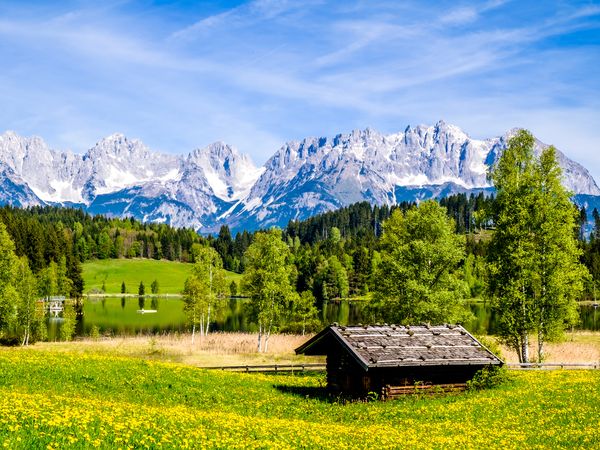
171 275
54 399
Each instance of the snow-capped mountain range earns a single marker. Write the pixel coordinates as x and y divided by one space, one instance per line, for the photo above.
217 185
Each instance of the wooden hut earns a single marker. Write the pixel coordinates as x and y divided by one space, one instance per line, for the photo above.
392 360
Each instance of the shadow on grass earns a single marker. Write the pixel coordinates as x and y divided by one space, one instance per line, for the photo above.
314 393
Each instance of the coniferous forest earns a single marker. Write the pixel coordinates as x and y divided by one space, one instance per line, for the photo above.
334 253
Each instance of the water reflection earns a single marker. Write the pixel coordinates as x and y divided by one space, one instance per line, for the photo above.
120 316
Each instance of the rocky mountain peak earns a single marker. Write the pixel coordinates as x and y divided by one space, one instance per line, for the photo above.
217 184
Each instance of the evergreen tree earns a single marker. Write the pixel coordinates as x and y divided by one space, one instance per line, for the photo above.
141 289
154 287
233 288
123 287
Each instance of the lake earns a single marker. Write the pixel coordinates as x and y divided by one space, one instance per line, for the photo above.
120 316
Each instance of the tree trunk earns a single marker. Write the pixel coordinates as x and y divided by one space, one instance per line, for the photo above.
267 341
207 322
540 346
193 332
525 347
267 336
259 347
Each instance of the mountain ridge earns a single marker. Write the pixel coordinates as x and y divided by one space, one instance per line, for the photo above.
217 184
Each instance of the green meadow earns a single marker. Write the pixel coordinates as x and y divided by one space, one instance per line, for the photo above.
67 399
111 273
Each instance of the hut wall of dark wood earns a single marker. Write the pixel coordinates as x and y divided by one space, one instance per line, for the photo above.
409 376
344 374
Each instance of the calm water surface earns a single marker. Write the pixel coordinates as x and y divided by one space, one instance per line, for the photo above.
121 316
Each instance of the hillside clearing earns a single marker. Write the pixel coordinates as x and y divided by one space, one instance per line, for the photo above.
111 273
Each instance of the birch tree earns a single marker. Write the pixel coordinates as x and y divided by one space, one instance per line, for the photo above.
27 315
268 282
559 278
205 289
8 271
534 273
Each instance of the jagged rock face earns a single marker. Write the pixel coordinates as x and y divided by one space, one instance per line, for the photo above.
122 177
229 173
217 185
304 177
14 191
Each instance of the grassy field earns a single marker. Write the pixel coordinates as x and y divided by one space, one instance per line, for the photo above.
52 399
171 275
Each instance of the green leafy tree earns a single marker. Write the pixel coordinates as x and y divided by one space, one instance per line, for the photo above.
193 302
535 274
268 282
8 271
303 313
68 325
331 280
154 287
48 280
416 279
233 288
30 324
205 290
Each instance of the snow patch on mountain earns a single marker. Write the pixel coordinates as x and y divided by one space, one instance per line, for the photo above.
217 185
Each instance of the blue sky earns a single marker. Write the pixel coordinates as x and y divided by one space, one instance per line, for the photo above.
180 75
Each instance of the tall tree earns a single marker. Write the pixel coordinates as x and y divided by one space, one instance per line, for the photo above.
331 280
29 319
416 280
205 289
268 281
559 278
533 257
8 272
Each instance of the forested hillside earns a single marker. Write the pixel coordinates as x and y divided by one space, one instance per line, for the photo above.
334 253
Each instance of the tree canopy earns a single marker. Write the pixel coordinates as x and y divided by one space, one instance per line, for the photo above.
268 281
416 280
535 274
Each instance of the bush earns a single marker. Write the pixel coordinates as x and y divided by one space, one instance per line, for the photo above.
95 332
488 377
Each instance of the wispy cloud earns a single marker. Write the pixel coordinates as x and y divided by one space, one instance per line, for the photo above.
255 73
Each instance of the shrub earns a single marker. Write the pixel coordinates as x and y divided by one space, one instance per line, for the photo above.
488 377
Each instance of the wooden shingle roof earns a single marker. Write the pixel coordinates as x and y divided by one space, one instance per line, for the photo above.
395 346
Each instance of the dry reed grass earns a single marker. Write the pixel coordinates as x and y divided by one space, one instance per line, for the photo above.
230 349
216 349
578 347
